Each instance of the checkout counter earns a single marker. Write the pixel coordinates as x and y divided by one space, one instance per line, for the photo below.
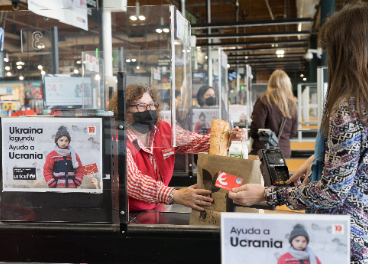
92 224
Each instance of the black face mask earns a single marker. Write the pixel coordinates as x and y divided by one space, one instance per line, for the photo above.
145 121
210 101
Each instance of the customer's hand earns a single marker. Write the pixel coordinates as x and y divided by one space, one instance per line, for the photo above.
248 194
303 170
238 134
193 197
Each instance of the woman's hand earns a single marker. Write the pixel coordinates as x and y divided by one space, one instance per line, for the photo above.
238 134
303 170
248 194
193 197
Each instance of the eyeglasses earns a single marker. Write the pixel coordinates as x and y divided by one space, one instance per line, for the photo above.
143 107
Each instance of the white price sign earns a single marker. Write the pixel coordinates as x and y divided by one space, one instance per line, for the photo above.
181 27
223 60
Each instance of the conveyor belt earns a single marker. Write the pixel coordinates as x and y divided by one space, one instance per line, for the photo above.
302 149
302 145
284 210
294 164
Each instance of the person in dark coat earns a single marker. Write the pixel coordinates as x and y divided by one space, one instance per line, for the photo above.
270 109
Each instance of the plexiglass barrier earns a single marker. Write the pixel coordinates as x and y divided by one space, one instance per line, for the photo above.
307 105
71 72
243 98
210 82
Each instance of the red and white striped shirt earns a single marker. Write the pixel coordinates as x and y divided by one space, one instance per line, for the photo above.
143 187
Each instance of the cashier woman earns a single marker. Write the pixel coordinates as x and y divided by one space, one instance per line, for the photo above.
150 157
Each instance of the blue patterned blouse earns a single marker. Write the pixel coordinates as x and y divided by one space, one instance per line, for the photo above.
343 188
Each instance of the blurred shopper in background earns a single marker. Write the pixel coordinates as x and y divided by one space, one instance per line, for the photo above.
271 108
206 96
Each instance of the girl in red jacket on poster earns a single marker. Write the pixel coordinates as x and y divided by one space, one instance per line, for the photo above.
299 252
63 167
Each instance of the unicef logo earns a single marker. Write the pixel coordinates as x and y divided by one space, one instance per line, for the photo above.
238 180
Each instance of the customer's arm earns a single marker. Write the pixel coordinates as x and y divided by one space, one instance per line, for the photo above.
304 169
341 165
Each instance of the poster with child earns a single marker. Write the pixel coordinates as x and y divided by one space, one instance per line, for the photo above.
202 119
285 238
52 154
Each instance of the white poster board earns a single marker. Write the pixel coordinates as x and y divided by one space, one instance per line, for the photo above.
31 163
70 12
265 238
67 90
238 113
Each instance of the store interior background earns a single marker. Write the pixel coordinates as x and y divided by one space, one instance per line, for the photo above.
257 45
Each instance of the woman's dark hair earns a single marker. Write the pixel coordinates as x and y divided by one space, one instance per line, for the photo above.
345 37
133 93
202 114
201 92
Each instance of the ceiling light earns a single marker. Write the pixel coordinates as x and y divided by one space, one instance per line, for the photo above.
76 71
6 59
40 67
97 77
138 67
19 66
302 75
246 57
158 30
136 16
43 72
304 79
21 78
7 68
177 42
128 60
79 62
280 52
20 63
166 30
198 48
8 73
228 65
206 57
134 60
